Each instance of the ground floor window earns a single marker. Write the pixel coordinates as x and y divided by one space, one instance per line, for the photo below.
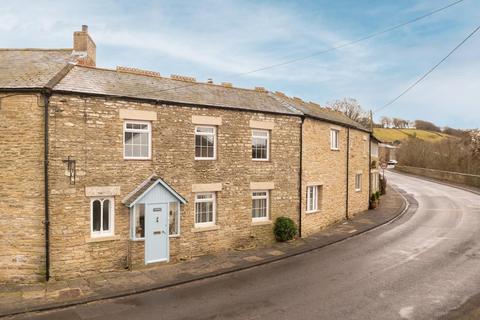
260 205
205 209
375 182
358 182
138 221
174 218
101 217
313 198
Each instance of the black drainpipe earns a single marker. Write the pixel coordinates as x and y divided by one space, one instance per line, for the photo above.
348 173
301 181
46 97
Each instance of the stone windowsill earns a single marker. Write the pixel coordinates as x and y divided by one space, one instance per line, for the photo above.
261 223
203 229
312 212
102 239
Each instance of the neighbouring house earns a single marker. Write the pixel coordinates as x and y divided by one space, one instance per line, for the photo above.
105 170
335 154
386 152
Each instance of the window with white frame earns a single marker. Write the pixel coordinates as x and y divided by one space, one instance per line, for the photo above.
102 217
138 220
260 145
174 218
358 182
313 197
374 177
205 209
260 205
374 151
137 140
205 143
334 134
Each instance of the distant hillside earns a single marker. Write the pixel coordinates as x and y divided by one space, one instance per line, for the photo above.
391 134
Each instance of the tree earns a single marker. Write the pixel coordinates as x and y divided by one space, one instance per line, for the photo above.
425 125
455 132
350 107
399 123
385 122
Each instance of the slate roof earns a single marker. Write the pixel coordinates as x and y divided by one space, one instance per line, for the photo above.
82 79
31 68
314 110
34 68
138 192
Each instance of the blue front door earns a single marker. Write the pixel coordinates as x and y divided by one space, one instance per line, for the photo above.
156 233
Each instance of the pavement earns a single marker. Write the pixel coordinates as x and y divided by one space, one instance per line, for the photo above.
21 299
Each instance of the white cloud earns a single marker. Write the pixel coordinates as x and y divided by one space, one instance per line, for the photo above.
223 38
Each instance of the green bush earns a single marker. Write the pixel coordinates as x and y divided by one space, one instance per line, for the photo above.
284 229
377 195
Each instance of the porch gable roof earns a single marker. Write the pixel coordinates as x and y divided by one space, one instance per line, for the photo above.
132 198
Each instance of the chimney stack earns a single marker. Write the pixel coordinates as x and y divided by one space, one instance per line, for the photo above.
84 46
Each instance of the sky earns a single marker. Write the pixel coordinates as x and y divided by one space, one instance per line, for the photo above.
222 39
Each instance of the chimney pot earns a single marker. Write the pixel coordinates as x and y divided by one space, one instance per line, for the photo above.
85 47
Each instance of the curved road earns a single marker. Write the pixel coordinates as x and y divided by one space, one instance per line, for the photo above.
419 267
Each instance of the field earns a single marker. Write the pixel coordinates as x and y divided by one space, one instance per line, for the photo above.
391 134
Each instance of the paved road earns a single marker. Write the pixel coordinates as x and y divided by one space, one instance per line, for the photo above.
419 267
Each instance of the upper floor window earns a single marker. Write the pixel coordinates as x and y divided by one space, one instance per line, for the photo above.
205 209
334 133
137 140
260 144
358 182
205 143
101 217
260 205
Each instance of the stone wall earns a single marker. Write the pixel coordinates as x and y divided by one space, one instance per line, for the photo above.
358 200
454 177
324 167
327 168
90 131
22 244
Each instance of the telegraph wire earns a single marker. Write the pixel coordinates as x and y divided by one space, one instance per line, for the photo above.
333 48
429 71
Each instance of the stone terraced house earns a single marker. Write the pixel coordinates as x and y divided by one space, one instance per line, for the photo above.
104 170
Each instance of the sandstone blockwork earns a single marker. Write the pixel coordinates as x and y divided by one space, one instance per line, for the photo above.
327 169
22 244
89 131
